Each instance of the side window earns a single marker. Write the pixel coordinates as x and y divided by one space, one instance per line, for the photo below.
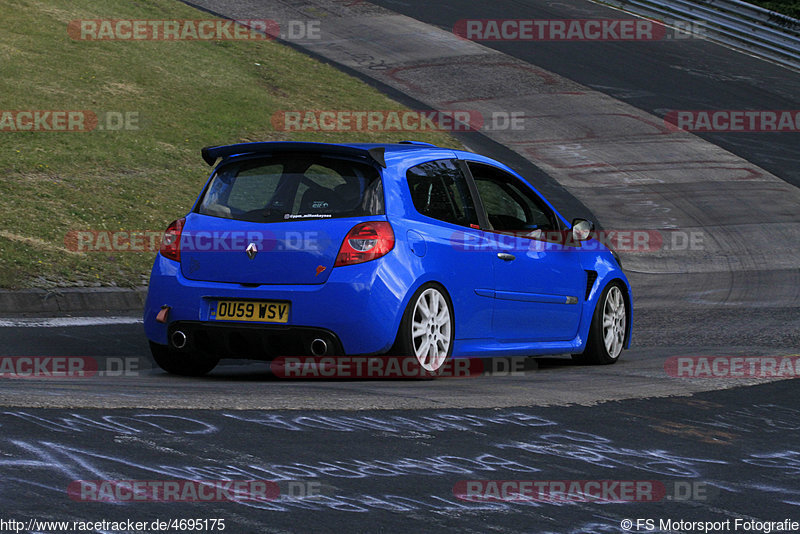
439 190
510 205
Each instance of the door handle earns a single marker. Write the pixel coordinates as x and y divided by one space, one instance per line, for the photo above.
506 256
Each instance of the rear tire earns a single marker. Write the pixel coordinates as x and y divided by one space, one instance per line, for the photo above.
183 363
609 327
427 329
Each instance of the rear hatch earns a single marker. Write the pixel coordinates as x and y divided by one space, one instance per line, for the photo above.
278 219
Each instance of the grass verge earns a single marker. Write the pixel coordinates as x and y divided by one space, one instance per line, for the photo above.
786 7
183 95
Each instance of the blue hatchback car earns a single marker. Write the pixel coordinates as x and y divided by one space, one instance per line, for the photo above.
298 249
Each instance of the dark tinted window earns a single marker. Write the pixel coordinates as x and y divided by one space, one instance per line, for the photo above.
510 205
293 187
439 190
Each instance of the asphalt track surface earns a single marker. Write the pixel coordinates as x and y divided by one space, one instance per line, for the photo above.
387 454
714 457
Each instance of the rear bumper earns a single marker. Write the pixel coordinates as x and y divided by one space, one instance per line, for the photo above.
358 308
256 342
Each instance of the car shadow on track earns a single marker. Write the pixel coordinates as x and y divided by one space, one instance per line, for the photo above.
260 371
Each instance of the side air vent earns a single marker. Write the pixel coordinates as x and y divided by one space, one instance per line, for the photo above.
591 276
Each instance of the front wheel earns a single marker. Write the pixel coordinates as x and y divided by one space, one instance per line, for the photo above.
609 325
427 328
184 363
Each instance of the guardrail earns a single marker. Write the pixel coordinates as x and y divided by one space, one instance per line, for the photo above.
734 23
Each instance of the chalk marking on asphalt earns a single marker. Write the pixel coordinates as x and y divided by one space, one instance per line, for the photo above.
57 322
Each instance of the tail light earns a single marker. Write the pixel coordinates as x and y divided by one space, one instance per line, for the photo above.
171 242
365 242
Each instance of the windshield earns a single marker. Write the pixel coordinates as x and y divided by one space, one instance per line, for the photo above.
293 187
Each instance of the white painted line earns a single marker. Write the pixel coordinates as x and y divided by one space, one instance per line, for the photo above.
53 322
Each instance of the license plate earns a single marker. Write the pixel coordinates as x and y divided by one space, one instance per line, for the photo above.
260 311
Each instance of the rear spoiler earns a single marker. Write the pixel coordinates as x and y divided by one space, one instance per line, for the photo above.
212 153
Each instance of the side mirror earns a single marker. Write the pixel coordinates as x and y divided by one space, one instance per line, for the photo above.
582 229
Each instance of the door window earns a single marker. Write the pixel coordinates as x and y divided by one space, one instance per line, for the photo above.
510 205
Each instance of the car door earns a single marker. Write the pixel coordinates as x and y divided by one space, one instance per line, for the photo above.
456 251
538 282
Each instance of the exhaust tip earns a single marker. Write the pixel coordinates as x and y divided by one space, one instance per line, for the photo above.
319 347
179 339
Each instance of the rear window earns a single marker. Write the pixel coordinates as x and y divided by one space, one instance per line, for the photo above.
293 187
